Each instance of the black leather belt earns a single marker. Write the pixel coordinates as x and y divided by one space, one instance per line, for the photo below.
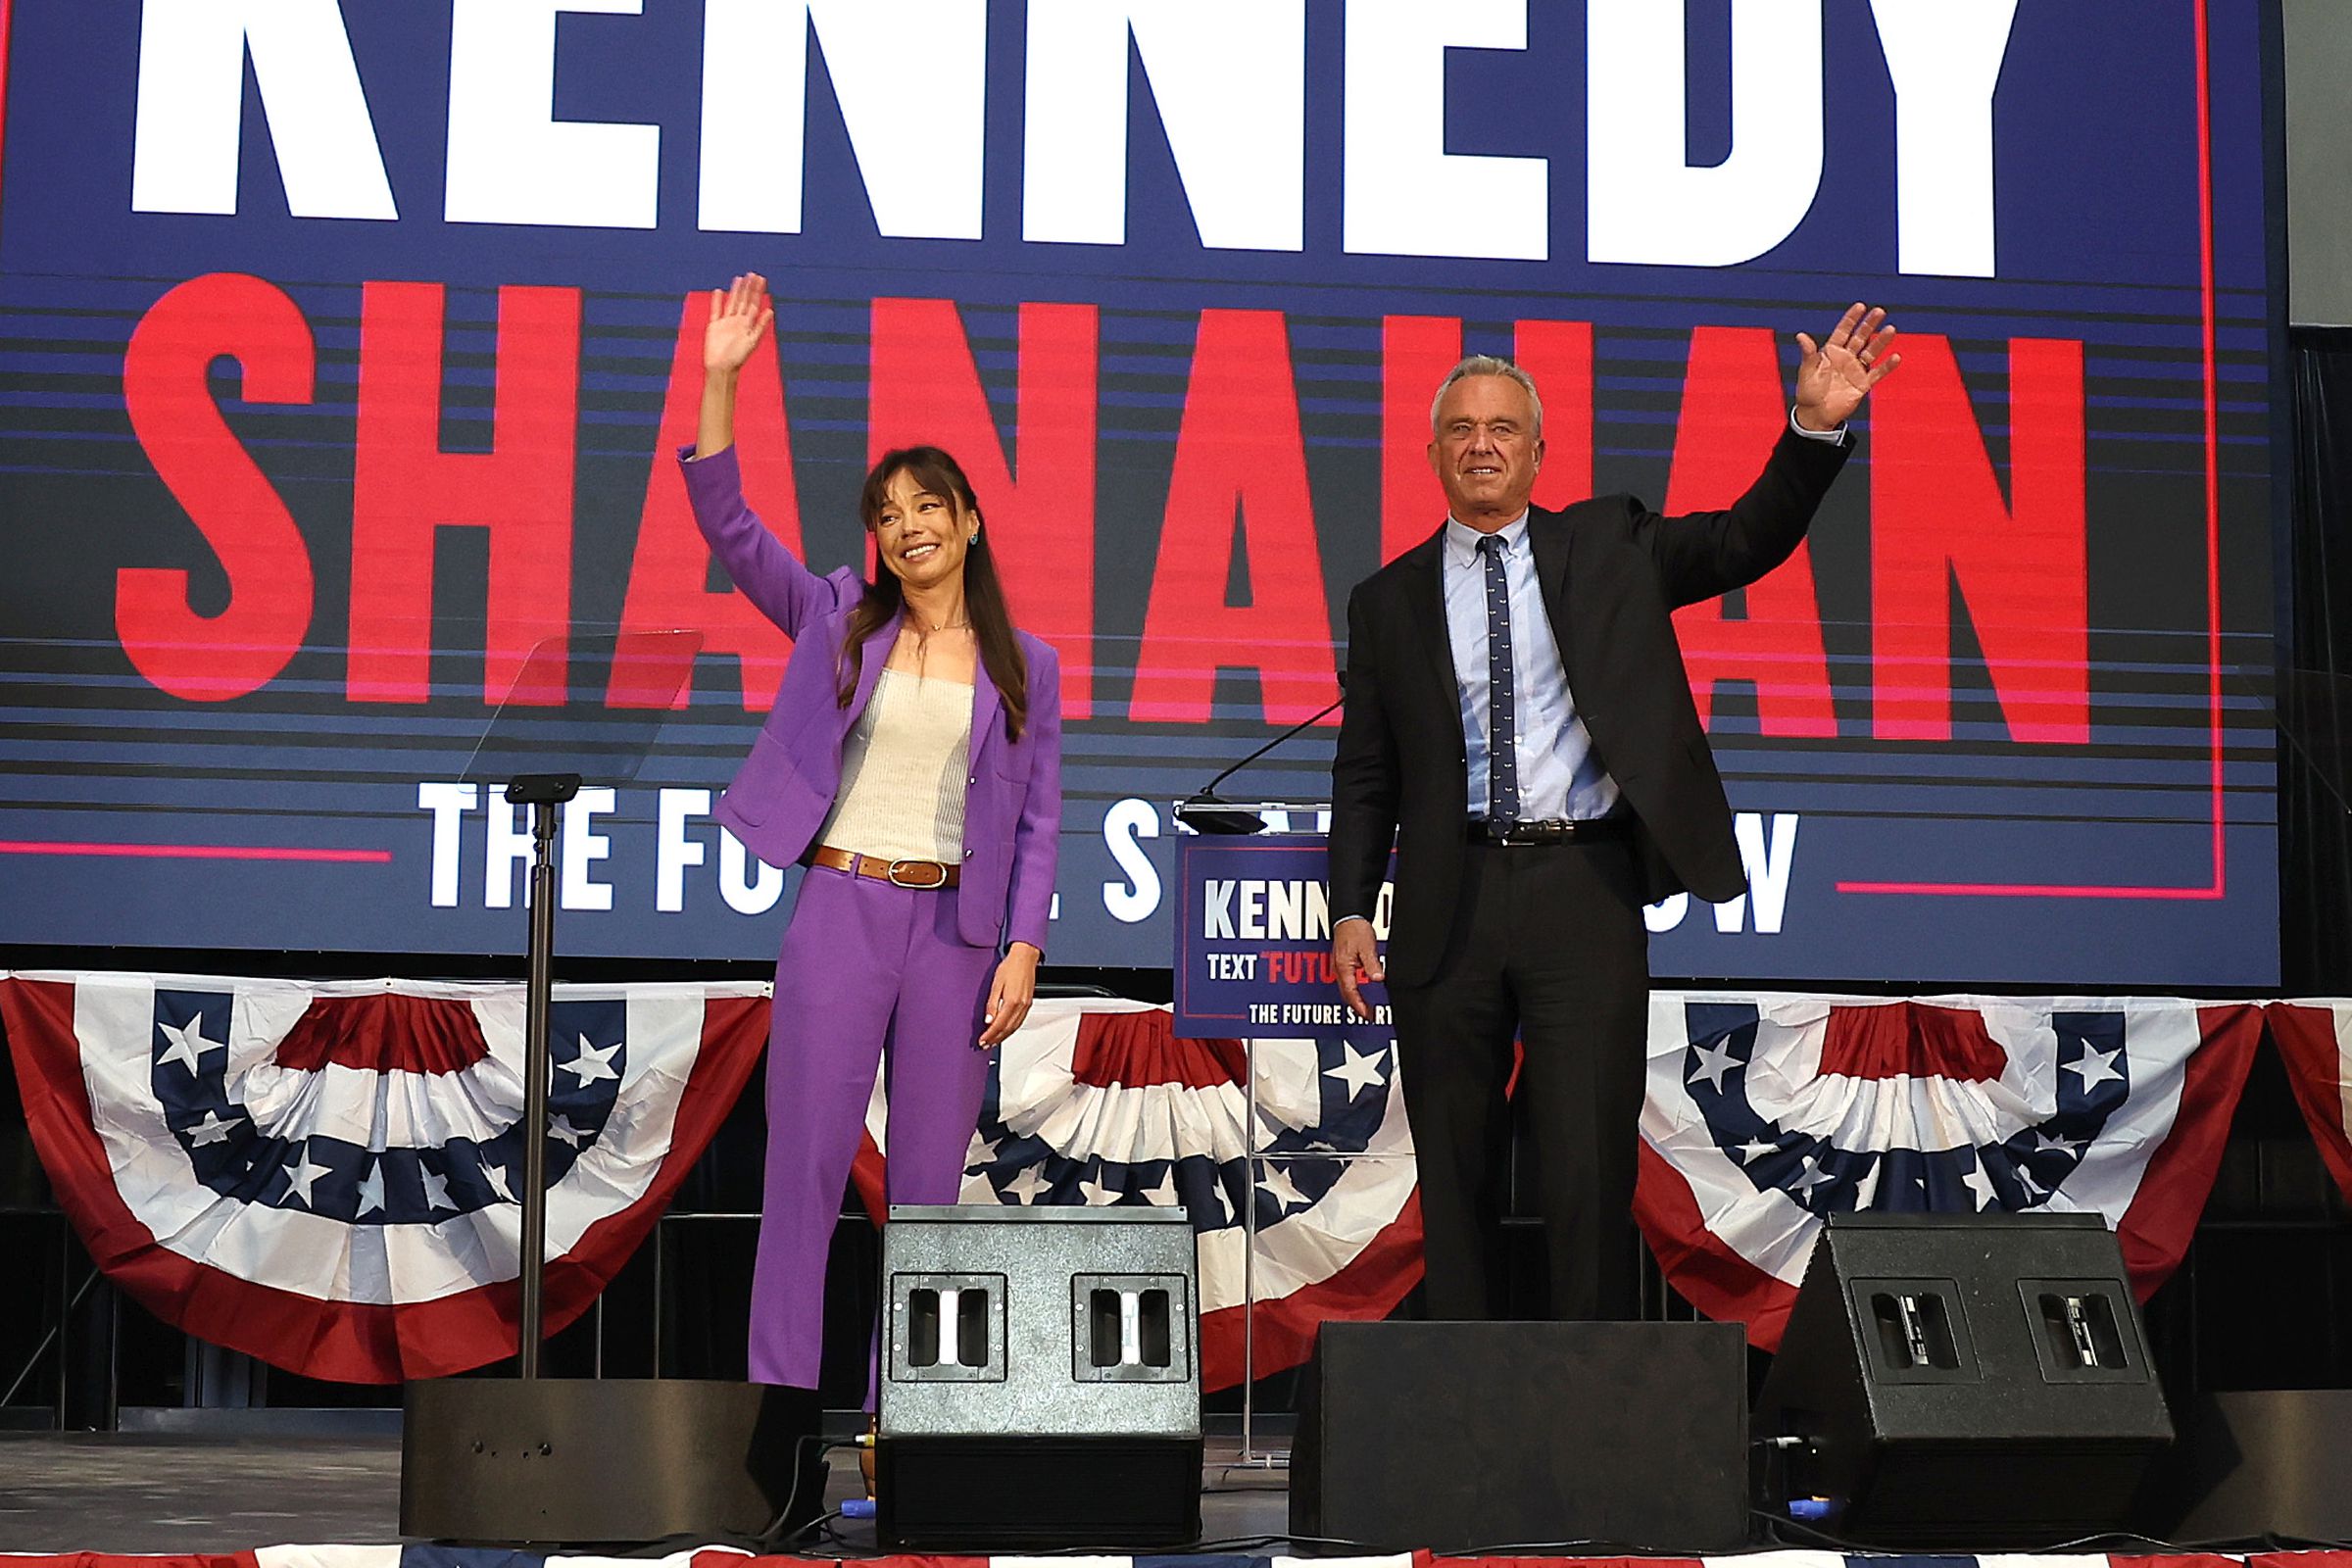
1576 830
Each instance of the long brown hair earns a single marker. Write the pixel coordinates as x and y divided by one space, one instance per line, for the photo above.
983 591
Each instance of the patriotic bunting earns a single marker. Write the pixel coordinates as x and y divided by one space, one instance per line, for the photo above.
2316 1039
1765 1113
728 1557
323 1175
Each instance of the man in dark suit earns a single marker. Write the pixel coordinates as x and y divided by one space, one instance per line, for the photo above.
1519 722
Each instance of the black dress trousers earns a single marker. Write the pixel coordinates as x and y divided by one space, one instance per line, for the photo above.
1546 945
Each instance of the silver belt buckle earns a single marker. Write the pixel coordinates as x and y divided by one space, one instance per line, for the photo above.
939 874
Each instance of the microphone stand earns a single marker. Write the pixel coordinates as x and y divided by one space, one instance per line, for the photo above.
1207 811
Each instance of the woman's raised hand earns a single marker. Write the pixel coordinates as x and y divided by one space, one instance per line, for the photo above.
740 317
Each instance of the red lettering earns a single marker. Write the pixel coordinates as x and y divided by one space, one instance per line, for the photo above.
670 573
926 391
1938 519
1415 353
1239 451
209 658
1559 355
405 487
1734 408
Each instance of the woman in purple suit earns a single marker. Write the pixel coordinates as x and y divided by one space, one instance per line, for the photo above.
913 762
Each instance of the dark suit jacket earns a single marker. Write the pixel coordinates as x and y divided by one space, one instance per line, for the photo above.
1612 570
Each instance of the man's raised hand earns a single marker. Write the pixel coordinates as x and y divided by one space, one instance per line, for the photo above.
1837 374
740 317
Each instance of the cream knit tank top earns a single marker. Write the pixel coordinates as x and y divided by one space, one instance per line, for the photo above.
904 766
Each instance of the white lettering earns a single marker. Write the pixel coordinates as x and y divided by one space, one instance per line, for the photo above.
1404 193
1945 60
449 803
1767 863
1138 898
746 891
1666 913
673 850
191 109
910 77
1645 203
582 847
1766 866
511 161
506 848
1229 79
1285 910
1252 923
1216 912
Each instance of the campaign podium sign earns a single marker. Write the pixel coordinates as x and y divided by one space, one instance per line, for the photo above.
1253 941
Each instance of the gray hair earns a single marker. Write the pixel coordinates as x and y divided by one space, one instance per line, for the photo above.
1488 364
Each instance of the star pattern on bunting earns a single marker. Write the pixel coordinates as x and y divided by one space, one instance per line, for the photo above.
1979 1182
2095 1067
1276 1184
372 1188
302 1173
593 1064
1713 1062
1809 1175
212 1130
1360 1070
1025 1186
188 1045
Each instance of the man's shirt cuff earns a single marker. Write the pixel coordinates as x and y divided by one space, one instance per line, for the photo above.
1838 435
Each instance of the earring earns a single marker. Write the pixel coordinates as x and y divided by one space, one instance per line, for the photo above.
975 538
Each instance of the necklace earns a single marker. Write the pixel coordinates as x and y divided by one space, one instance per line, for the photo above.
922 633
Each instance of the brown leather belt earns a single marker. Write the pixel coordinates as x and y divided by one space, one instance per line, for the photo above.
924 874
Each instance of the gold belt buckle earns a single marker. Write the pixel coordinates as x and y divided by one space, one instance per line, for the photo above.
939 874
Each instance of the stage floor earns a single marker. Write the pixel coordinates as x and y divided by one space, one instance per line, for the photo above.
155 1495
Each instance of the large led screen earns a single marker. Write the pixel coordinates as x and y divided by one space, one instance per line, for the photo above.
346 348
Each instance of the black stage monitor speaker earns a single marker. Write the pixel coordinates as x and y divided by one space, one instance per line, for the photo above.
1041 1379
1959 1380
1449 1435
575 1460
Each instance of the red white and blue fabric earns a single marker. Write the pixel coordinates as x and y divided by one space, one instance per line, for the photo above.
1765 1113
730 1557
2315 1039
1097 1101
324 1175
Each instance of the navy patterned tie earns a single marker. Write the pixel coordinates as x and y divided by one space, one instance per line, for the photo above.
1502 717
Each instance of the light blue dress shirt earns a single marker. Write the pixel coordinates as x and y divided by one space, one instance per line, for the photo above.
1559 776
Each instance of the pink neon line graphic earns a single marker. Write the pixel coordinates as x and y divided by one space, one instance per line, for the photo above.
2213 565
195 852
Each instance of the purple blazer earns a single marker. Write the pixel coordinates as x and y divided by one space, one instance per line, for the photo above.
785 787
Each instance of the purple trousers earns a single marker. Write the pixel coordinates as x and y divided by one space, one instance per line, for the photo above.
868 973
